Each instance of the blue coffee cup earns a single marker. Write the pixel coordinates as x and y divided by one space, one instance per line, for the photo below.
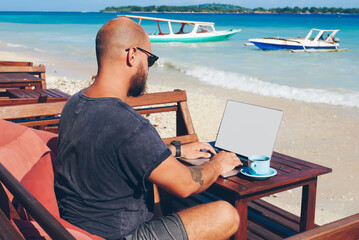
258 165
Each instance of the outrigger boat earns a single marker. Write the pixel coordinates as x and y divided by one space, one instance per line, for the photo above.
189 31
316 40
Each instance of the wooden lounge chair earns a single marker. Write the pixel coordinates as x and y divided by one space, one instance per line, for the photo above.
22 75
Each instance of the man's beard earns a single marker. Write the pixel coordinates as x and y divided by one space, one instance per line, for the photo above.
138 83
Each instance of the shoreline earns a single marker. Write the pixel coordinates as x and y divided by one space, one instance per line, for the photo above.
316 132
235 13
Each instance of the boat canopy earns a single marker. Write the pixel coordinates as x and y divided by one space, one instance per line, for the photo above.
320 34
165 20
198 27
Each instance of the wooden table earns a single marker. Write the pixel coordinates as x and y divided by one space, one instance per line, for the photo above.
292 173
20 80
35 93
29 96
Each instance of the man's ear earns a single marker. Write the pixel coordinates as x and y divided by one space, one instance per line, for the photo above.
131 56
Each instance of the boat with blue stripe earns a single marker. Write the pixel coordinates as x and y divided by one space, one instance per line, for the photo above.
318 39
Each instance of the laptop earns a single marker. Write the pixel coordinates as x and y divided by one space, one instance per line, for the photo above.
246 130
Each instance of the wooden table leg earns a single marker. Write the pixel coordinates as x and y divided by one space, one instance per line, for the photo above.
242 208
307 215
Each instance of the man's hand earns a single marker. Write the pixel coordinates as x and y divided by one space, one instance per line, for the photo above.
226 161
197 150
181 180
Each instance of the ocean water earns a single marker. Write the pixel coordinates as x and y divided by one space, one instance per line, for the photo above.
65 41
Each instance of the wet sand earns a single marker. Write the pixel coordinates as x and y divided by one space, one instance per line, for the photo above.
320 133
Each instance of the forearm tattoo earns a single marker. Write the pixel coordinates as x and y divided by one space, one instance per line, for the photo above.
196 173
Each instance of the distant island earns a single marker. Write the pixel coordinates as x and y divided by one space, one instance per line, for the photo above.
227 8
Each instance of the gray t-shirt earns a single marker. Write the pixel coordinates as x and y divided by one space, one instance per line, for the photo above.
105 154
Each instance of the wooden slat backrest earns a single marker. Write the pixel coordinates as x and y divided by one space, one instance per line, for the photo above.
157 98
18 69
13 63
347 228
31 110
145 104
184 127
40 111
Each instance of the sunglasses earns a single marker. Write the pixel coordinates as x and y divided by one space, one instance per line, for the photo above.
151 57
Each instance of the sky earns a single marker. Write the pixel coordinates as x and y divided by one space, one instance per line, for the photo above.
96 5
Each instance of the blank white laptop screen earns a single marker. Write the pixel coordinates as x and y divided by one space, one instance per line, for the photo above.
248 129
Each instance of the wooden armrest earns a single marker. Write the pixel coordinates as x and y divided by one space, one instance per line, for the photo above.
346 228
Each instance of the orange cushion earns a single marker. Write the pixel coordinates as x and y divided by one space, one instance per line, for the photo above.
39 181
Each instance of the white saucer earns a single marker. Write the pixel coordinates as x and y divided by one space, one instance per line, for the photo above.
272 172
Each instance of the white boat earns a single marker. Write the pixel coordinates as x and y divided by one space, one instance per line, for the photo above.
316 39
188 31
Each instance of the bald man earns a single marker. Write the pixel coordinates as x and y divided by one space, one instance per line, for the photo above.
109 156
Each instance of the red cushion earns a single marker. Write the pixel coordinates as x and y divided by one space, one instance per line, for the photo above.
68 226
20 153
10 130
32 230
49 138
39 181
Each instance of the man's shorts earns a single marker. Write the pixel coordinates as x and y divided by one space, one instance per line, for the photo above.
162 228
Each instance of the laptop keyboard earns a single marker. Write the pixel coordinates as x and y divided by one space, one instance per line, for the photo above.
244 160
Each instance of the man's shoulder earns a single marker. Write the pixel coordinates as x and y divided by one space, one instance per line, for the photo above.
113 113
108 105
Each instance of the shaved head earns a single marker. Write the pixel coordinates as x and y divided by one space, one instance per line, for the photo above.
116 36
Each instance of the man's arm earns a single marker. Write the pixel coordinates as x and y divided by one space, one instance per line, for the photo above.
183 181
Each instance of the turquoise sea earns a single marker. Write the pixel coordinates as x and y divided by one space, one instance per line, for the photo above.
65 43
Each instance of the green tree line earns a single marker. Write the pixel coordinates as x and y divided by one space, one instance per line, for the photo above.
227 8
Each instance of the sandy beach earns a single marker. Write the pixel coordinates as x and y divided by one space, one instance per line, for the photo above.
320 133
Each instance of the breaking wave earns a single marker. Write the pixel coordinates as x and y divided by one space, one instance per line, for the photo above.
253 85
15 45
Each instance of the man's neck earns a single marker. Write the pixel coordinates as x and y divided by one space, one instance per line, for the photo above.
100 89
